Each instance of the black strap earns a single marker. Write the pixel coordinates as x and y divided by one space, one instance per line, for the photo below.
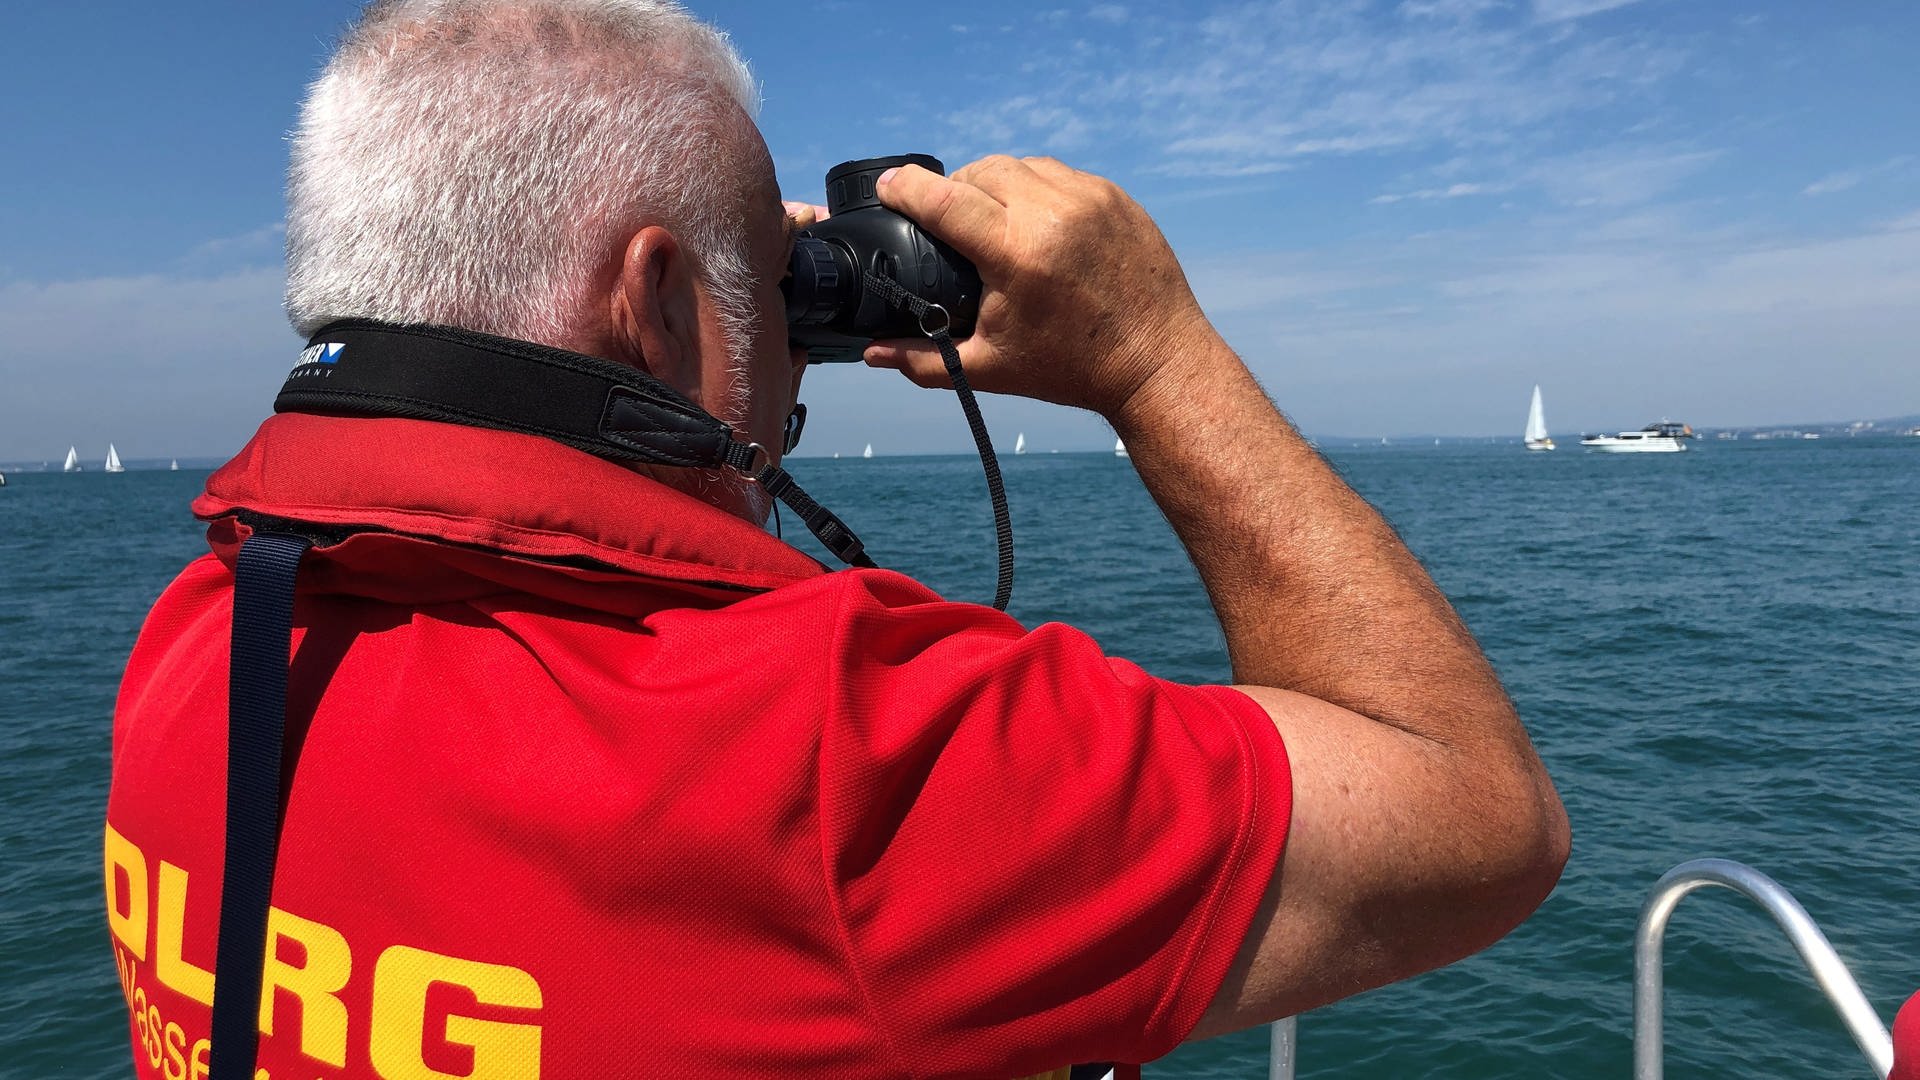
825 526
263 583
934 323
457 376
354 367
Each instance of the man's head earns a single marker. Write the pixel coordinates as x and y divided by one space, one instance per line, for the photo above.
580 173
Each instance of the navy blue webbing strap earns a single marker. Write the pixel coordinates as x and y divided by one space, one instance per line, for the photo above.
263 581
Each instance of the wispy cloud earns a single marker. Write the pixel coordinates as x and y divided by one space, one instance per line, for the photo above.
164 364
265 245
1642 313
1451 191
1258 88
1561 10
1618 176
1852 178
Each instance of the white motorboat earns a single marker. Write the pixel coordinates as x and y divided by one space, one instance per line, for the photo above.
1665 437
1536 434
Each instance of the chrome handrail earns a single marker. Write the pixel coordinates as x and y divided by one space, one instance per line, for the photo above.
1822 961
1283 1035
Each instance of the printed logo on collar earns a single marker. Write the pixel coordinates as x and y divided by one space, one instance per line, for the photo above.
320 352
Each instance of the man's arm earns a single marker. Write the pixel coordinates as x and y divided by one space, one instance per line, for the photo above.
1424 826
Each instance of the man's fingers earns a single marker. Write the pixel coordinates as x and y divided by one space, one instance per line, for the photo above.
1005 178
958 213
920 361
1051 169
804 214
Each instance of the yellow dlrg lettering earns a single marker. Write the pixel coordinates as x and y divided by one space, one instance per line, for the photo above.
169 967
323 1018
501 1051
129 923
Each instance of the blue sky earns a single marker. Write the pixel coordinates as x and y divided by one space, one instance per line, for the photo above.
1403 213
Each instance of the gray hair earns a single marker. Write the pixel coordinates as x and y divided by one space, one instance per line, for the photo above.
473 162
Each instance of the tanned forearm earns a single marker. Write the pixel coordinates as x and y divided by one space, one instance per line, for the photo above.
1314 591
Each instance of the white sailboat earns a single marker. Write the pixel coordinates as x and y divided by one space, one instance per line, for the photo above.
1536 435
1119 448
174 465
868 452
1020 443
113 460
73 460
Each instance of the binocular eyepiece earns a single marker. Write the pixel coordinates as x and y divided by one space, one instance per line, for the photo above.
830 312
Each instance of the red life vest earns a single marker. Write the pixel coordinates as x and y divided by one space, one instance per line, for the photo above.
593 779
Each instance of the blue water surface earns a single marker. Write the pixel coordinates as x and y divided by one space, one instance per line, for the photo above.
1718 653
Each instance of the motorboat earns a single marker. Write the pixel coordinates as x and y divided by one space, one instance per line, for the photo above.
1665 437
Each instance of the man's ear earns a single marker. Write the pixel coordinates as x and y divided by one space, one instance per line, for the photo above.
656 310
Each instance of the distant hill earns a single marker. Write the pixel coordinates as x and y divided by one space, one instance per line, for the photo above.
1894 425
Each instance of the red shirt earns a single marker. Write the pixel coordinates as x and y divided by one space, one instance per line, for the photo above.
594 779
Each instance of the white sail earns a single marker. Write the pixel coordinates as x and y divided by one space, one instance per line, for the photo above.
868 452
1119 448
73 460
113 460
174 465
1020 443
1536 433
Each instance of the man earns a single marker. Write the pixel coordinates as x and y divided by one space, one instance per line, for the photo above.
588 776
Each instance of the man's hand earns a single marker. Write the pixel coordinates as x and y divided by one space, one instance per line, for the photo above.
804 214
1083 299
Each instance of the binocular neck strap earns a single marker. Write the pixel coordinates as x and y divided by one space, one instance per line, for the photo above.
934 323
361 368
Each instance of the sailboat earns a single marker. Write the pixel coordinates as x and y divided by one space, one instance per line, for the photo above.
1119 448
73 460
868 452
113 460
1020 443
174 465
1536 436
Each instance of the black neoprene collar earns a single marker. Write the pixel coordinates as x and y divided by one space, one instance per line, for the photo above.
357 367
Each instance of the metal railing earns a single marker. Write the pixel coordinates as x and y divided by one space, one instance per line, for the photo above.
1283 1034
1825 965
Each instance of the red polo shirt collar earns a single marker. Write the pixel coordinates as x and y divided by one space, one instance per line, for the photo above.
504 493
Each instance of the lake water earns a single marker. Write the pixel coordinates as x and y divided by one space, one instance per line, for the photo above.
1718 653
